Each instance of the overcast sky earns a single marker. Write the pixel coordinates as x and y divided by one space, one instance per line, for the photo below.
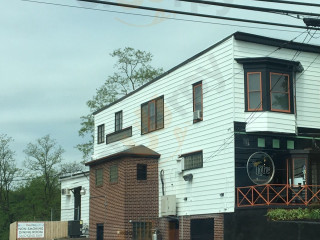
53 58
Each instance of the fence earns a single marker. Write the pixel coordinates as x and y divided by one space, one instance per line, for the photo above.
277 194
38 230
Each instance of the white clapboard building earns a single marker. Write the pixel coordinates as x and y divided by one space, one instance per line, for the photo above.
243 113
75 196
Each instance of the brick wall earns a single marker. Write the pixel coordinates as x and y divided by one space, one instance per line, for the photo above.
184 226
117 205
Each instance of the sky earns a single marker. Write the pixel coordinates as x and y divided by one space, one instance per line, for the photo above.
54 57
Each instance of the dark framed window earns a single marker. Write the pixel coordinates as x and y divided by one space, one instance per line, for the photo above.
118 121
142 231
141 171
198 100
254 91
279 92
193 160
114 174
152 115
202 229
269 84
99 177
100 136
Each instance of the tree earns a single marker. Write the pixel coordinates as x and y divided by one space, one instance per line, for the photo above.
132 70
43 158
7 173
72 167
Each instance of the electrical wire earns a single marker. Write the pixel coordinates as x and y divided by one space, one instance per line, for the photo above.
290 2
251 8
160 17
195 14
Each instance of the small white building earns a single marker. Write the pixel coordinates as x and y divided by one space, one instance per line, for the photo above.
75 196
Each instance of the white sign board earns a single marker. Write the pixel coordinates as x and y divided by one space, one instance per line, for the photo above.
30 230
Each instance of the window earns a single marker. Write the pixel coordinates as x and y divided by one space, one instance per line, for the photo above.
254 91
118 121
192 160
99 177
114 174
142 231
279 92
197 100
101 133
152 115
202 228
269 84
141 171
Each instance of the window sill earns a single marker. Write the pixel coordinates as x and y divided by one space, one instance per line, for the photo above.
152 131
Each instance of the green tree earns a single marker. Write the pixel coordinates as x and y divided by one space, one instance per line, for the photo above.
8 171
132 70
43 158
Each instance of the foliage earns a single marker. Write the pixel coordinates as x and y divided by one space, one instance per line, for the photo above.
294 214
43 158
8 171
72 167
132 70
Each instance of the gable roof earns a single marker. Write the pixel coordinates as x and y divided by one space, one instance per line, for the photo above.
240 36
137 151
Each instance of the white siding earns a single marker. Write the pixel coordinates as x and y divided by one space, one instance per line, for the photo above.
307 90
213 135
67 202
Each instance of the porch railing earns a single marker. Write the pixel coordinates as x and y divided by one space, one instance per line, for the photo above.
277 194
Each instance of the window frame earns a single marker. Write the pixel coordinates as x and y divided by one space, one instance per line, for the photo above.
118 122
145 231
288 93
113 179
100 133
98 182
144 175
194 86
248 92
191 154
156 111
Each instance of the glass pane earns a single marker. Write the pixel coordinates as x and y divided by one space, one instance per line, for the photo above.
160 113
299 171
198 97
254 100
144 118
280 101
152 116
279 83
254 82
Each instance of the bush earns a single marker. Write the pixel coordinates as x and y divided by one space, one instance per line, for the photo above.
293 214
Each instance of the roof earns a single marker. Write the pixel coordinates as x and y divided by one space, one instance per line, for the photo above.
241 36
135 152
71 175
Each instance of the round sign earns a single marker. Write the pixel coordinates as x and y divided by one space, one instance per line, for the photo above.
260 168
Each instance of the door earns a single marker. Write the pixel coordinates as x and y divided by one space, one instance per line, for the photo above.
99 231
174 230
77 203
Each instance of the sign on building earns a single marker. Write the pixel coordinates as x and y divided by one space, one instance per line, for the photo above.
30 230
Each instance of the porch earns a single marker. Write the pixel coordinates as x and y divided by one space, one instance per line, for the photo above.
277 195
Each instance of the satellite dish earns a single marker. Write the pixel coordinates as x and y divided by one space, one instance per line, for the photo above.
260 168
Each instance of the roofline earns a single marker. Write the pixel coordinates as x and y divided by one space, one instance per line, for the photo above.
121 155
164 74
74 175
241 36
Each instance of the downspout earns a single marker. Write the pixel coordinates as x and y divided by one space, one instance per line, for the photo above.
162 180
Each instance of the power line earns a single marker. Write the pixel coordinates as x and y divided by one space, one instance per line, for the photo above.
160 17
197 14
251 8
290 2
